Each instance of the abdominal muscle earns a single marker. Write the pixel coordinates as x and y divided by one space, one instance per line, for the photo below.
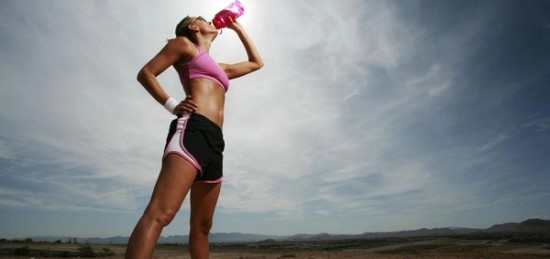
209 97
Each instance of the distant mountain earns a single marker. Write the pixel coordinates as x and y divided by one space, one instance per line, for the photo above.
528 226
91 240
110 240
239 237
219 238
423 232
176 239
397 234
531 225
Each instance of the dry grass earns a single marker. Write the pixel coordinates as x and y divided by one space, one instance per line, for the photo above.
436 247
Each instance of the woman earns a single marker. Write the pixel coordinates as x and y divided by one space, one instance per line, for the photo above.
192 158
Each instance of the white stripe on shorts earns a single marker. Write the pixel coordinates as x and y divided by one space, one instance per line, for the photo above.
175 145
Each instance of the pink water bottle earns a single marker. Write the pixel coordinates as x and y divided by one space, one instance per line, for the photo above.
221 19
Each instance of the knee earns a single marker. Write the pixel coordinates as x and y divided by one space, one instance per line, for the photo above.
162 216
201 226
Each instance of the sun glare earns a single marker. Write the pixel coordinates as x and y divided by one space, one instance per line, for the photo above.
249 11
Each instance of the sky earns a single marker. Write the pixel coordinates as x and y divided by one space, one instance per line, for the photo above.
367 116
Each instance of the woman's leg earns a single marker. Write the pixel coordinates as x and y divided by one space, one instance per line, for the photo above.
174 181
204 197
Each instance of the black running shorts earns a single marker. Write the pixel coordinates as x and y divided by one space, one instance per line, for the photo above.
199 141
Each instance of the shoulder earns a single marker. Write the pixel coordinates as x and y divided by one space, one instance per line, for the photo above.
180 44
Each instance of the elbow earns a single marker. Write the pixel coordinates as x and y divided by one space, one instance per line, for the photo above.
255 63
142 75
259 64
139 77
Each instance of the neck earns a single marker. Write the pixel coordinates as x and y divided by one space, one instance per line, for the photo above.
205 41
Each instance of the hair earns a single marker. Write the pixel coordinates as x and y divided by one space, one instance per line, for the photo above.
182 29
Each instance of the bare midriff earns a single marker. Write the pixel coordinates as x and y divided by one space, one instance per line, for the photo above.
209 97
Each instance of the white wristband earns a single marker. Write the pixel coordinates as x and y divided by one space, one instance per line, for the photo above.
170 104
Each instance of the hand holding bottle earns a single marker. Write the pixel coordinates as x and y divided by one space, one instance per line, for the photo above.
228 15
234 24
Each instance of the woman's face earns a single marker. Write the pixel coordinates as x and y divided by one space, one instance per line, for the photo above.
204 24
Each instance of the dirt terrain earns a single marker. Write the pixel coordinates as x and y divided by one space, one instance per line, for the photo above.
398 248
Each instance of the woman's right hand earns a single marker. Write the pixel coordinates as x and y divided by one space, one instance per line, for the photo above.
185 106
234 24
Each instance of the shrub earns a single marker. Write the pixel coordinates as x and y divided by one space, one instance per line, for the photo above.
66 254
86 251
22 251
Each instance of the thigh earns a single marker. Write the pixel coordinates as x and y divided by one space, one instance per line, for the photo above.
174 181
204 197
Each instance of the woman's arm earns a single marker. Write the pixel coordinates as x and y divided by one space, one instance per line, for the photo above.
254 62
174 50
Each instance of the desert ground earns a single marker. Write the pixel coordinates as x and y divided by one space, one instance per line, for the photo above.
394 248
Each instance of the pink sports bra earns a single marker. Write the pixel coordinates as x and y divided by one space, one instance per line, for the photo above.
203 66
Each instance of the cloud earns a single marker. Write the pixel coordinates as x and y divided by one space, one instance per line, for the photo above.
380 110
326 126
494 141
538 123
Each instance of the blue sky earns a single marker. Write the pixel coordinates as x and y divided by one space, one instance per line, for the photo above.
368 115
